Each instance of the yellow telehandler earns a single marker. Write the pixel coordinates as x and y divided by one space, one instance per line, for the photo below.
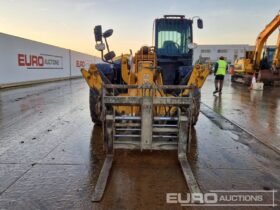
148 101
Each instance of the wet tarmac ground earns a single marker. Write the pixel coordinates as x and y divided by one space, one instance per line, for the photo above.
51 154
256 111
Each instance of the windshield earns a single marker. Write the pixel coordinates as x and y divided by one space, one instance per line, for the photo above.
270 53
173 37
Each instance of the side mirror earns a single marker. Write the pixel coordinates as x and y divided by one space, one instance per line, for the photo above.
100 47
98 33
200 23
108 33
110 55
192 45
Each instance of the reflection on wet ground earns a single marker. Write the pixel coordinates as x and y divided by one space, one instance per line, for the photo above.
256 111
51 154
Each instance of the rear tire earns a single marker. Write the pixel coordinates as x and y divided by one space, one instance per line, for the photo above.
95 107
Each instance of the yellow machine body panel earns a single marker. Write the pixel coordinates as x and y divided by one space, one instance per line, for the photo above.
124 65
243 65
92 77
198 77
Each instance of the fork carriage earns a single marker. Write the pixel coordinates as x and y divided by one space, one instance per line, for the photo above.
147 129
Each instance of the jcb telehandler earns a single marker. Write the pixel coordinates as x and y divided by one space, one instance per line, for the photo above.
148 101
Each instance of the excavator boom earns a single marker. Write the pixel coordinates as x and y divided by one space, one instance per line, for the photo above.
263 36
266 68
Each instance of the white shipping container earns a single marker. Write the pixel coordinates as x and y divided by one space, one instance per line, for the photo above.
81 60
26 61
23 60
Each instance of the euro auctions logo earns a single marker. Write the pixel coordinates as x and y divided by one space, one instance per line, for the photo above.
41 61
249 198
80 63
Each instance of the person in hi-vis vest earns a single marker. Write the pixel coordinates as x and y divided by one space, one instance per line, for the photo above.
220 72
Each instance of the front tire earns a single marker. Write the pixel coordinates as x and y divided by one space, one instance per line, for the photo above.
95 107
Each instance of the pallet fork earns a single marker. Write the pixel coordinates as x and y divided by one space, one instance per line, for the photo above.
146 132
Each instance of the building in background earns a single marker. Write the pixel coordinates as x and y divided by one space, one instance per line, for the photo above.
211 53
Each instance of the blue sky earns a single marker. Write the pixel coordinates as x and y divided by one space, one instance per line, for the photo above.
69 23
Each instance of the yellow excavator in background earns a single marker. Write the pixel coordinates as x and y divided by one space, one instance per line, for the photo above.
266 67
148 101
